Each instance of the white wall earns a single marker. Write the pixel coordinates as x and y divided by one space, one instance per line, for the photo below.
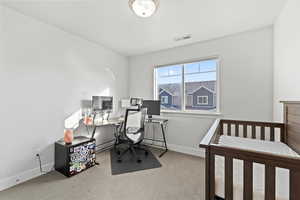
44 73
246 81
286 56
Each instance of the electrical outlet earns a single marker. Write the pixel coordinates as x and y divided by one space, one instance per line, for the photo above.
37 156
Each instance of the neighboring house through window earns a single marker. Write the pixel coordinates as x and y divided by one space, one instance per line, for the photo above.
188 86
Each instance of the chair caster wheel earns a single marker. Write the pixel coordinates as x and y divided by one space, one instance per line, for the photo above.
139 161
119 160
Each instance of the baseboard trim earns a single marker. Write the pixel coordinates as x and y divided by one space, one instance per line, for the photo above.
181 149
24 176
187 150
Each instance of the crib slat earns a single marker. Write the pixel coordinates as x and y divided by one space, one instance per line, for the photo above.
228 129
253 131
282 135
221 128
207 173
262 133
245 130
237 126
248 180
212 177
270 182
272 133
228 178
294 185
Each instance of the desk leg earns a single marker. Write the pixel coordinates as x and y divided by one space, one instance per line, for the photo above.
164 136
93 135
94 131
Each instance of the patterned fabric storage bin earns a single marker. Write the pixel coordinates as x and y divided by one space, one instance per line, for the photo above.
71 159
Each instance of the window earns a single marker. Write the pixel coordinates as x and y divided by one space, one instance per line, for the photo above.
169 83
202 100
164 99
188 86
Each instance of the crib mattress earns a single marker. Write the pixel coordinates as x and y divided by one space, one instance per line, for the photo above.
282 175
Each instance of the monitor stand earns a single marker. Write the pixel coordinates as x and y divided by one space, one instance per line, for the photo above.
150 117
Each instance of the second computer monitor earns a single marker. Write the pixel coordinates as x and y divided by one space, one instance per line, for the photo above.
153 107
102 103
107 103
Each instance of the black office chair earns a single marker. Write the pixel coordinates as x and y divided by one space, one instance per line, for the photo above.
133 133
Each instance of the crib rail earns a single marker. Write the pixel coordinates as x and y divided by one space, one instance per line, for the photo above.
257 129
271 161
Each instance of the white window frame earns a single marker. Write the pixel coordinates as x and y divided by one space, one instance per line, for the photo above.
163 98
203 97
183 110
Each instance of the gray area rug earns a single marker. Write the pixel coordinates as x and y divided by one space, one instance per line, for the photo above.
129 164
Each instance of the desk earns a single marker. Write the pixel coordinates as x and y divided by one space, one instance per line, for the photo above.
118 122
162 123
115 122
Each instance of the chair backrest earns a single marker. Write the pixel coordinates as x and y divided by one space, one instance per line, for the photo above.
135 119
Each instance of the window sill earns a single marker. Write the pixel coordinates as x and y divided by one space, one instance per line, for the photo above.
197 113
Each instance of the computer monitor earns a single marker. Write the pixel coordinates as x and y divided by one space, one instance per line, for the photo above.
102 103
153 107
96 104
107 103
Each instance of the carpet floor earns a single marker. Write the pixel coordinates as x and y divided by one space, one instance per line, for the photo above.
181 177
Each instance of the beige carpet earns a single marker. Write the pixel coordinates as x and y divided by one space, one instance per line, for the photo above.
181 177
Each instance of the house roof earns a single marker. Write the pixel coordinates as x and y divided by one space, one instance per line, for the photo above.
173 89
191 87
164 90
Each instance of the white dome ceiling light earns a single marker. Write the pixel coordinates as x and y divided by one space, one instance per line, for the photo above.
144 8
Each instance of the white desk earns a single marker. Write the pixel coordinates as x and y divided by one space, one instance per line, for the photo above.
114 122
118 122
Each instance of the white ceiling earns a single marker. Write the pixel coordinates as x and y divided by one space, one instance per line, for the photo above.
112 23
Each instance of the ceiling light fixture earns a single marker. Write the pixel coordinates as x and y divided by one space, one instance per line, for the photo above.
144 8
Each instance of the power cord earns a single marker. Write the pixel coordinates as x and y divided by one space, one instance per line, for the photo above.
40 165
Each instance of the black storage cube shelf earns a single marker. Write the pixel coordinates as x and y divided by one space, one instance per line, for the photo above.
71 159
